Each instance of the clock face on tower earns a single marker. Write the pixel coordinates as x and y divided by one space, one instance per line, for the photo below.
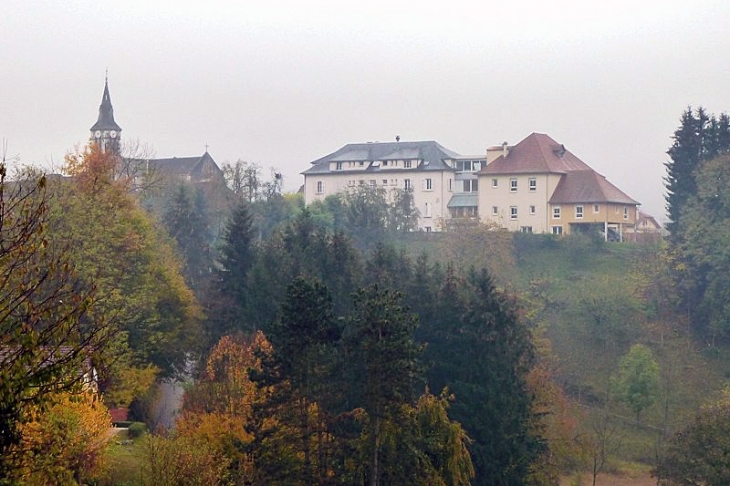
113 134
97 134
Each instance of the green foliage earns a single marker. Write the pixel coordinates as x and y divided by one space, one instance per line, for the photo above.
46 333
136 429
638 378
170 461
700 453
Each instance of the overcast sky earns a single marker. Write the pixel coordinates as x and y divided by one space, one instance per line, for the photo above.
282 83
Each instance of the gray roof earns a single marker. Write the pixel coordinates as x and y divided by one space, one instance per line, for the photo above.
192 166
432 154
106 113
463 200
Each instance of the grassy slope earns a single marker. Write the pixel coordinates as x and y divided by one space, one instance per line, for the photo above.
566 272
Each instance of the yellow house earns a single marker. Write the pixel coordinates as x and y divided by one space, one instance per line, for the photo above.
539 186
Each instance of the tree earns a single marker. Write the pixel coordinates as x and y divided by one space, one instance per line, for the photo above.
132 261
482 352
229 293
299 372
65 443
186 221
699 453
380 344
638 378
46 336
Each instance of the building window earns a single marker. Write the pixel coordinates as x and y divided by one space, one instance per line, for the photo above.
407 184
320 187
532 182
596 208
407 164
351 183
513 185
428 229
339 166
427 210
449 185
495 182
385 182
525 229
513 212
373 183
579 212
556 212
495 210
556 230
362 163
360 183
394 182
626 212
385 163
471 185
532 209
428 184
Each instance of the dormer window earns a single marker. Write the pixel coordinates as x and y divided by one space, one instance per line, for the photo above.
407 164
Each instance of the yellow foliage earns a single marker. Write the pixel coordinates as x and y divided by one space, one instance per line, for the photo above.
130 382
65 443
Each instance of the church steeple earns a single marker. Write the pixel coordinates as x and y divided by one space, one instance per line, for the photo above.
105 132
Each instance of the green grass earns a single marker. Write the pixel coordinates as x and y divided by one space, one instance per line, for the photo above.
124 461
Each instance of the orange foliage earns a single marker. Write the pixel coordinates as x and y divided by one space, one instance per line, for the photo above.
65 443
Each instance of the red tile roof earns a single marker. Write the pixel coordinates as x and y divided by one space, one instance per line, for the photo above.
536 154
588 186
540 154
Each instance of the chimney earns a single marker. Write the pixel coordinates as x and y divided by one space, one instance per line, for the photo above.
504 149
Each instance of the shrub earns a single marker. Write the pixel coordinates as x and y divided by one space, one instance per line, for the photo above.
182 460
136 429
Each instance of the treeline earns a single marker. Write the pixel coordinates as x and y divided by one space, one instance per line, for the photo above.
347 350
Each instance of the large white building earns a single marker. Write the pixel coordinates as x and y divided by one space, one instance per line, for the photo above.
425 168
535 186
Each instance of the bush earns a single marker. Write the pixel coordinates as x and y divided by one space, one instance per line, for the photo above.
182 460
136 429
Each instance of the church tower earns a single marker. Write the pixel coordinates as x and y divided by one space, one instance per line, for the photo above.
105 132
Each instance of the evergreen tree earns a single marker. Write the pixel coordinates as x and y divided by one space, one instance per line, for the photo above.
229 299
384 358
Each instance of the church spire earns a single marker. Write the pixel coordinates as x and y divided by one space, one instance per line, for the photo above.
105 132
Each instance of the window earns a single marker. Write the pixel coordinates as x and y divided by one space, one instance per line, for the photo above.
596 208
407 164
339 166
626 212
471 185
556 212
428 229
449 185
579 212
532 211
513 212
362 163
428 184
495 210
513 185
385 182
320 187
360 183
373 183
351 183
556 230
494 182
427 210
525 229
407 184
532 183
394 182
385 163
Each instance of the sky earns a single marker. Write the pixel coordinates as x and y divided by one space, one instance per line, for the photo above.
282 83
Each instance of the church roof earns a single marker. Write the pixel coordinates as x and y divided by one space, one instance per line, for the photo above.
192 166
106 113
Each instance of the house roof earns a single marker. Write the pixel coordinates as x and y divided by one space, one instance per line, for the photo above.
431 153
536 154
645 219
106 113
463 200
588 186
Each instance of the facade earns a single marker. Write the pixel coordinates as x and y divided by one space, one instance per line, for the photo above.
105 132
539 186
425 168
